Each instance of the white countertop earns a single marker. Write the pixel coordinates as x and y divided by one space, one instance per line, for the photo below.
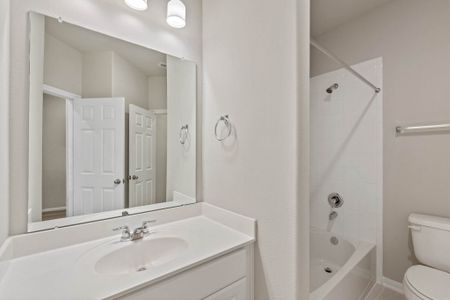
68 272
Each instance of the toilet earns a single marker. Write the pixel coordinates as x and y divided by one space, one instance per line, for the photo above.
431 242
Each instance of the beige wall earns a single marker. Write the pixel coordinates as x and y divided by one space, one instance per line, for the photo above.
129 82
4 116
54 153
250 72
161 157
157 92
107 74
157 99
97 79
181 108
63 65
412 37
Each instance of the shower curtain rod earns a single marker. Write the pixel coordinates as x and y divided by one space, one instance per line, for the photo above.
344 64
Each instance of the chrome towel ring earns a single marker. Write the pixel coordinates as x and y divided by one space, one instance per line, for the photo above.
184 132
226 121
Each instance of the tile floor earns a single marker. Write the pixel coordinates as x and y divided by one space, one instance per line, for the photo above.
382 293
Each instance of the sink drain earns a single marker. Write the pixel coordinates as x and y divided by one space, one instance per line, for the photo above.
141 269
328 270
334 240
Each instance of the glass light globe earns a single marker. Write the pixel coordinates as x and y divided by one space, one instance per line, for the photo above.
176 14
137 4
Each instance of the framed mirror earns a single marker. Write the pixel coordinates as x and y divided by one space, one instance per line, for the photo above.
112 127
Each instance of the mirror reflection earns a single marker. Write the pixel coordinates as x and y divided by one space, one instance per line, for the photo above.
112 124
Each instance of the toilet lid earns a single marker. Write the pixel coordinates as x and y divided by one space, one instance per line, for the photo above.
431 283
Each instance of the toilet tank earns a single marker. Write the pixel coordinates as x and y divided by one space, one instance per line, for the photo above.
431 240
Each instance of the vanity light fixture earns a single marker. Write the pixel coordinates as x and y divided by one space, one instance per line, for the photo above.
176 14
137 4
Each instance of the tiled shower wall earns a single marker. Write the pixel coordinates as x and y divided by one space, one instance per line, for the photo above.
346 151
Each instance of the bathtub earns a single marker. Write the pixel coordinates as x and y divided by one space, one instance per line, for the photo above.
341 269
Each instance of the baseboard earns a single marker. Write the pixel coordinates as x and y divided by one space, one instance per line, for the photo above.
52 209
393 285
374 292
369 290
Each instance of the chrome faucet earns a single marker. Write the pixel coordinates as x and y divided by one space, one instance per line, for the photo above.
126 235
138 233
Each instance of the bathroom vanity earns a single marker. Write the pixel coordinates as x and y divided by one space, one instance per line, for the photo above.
191 252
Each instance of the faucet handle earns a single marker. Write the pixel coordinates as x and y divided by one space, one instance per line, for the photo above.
145 225
126 234
124 228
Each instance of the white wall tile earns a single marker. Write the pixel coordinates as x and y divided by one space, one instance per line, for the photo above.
346 155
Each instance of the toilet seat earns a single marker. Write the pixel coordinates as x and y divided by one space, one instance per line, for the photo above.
411 293
425 283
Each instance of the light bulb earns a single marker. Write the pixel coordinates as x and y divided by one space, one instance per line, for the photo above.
137 4
176 14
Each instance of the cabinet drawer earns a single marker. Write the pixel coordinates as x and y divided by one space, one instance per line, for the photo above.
198 282
235 291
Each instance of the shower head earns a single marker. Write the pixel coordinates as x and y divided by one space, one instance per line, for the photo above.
332 88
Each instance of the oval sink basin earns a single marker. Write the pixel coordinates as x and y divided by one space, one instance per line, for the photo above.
140 256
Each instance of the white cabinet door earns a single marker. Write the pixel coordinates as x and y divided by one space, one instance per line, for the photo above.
235 291
221 278
98 155
142 152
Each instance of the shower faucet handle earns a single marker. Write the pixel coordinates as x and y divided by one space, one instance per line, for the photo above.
335 200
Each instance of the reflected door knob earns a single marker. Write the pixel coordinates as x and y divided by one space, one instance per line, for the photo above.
135 177
117 181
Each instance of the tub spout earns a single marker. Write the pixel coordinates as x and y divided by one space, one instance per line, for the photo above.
333 215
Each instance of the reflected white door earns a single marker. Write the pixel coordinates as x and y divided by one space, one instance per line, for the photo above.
142 153
98 155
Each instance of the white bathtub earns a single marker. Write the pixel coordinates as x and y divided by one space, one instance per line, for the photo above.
340 271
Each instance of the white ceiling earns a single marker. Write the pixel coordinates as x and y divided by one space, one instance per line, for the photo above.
325 15
328 14
85 40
